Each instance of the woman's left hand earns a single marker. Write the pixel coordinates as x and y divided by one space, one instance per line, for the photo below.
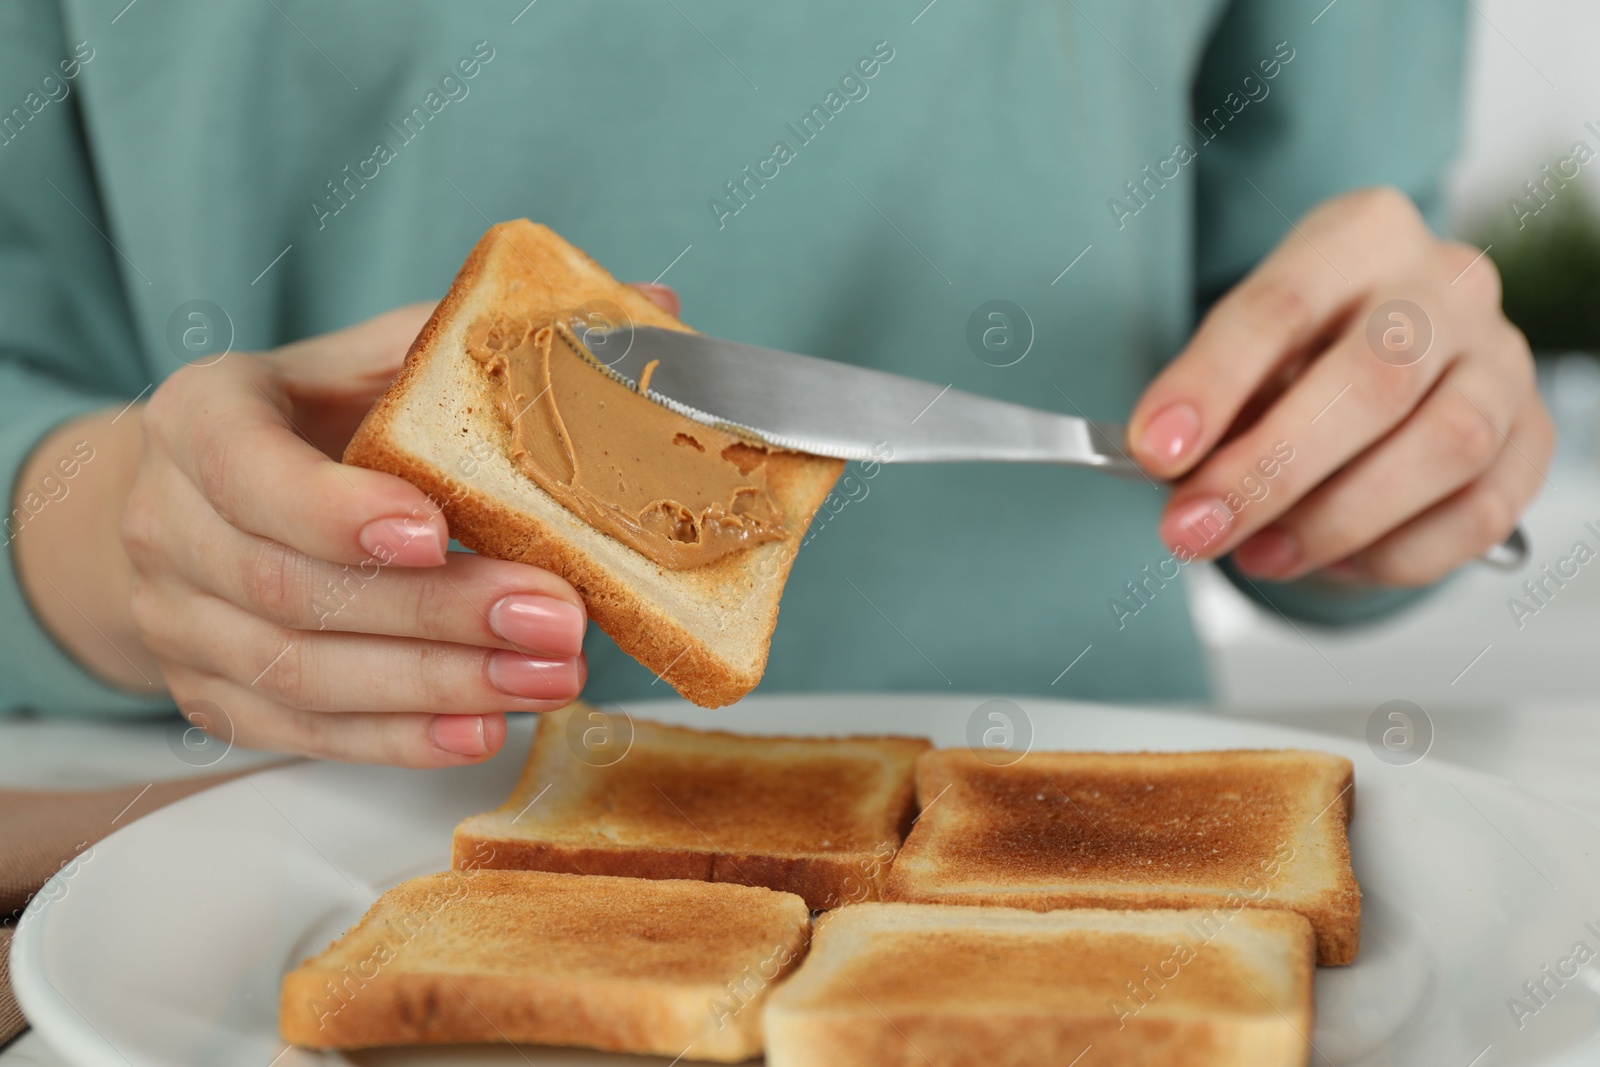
1358 403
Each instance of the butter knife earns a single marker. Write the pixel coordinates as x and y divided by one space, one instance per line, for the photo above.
841 410
850 412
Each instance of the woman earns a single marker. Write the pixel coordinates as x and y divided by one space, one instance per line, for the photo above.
1353 417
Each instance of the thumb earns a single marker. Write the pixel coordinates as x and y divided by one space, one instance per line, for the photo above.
355 363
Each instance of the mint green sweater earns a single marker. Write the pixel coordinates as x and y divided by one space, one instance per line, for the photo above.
846 178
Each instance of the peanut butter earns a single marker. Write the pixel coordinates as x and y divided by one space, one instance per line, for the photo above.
681 493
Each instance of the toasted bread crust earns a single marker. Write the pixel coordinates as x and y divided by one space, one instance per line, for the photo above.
959 1039
680 656
1220 830
822 881
1335 923
435 1009
985 987
610 963
776 852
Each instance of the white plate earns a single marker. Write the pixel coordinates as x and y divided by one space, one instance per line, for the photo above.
164 944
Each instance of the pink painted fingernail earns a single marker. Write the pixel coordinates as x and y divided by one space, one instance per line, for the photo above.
534 677
1197 525
538 623
1344 570
463 735
408 542
1170 436
1269 553
663 296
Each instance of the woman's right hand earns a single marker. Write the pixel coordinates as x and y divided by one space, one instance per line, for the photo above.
316 604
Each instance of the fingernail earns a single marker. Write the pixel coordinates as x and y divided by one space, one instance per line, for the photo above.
534 677
1344 570
664 296
539 623
462 734
1196 525
408 542
1170 436
1269 553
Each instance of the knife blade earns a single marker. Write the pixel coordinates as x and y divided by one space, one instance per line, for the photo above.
842 410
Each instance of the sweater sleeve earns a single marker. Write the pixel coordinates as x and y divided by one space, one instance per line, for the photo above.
66 337
1329 99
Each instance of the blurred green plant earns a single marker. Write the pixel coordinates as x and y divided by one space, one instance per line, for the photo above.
1551 272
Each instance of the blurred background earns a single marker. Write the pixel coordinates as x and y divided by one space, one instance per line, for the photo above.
1533 93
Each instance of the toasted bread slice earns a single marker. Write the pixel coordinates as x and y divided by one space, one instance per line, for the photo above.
1217 830
674 968
605 794
907 985
704 630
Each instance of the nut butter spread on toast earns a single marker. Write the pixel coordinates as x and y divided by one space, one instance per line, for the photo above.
678 492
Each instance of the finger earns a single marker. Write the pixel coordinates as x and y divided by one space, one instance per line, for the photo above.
356 362
1471 521
1456 435
1320 269
471 600
1344 401
251 720
358 672
219 427
662 296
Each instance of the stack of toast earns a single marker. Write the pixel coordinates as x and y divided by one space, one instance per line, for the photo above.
710 896
1215 830
817 817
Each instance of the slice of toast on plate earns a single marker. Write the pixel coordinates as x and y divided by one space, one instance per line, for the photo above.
1217 830
908 985
602 793
702 629
624 964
